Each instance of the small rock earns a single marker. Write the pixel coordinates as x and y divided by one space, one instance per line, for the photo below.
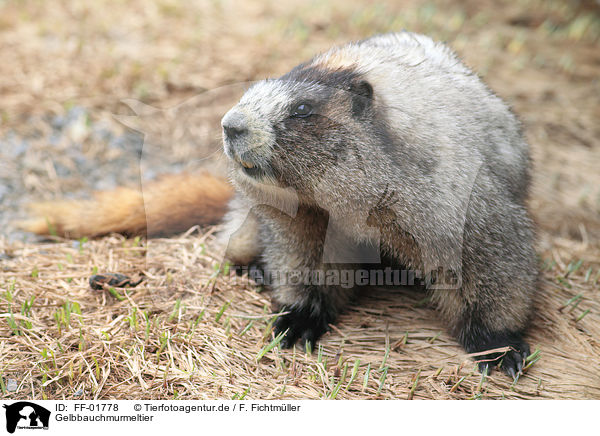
11 385
78 130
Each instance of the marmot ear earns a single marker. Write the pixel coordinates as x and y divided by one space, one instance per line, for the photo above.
362 96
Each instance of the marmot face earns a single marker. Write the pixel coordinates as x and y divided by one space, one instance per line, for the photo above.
293 131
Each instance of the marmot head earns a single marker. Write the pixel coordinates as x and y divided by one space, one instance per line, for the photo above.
313 122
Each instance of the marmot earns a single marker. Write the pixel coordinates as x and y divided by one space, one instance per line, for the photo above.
387 146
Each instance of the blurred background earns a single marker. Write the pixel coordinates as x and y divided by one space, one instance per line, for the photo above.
68 65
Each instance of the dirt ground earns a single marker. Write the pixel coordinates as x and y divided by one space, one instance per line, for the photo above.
74 73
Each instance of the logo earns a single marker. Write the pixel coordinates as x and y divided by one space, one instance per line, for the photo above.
26 415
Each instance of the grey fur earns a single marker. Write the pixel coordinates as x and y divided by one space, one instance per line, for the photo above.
431 169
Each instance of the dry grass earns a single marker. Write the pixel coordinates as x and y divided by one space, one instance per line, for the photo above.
190 332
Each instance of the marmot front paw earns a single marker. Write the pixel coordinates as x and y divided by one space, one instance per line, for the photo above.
301 323
510 362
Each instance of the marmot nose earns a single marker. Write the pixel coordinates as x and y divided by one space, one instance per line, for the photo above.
234 124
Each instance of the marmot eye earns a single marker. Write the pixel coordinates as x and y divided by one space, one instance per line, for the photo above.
302 110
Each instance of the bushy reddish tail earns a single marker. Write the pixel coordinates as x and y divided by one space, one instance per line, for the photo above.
171 204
